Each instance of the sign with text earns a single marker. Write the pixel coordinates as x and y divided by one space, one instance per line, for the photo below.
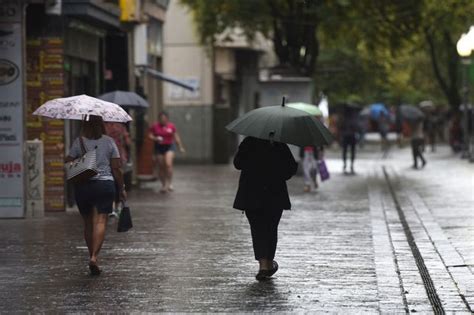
11 110
45 81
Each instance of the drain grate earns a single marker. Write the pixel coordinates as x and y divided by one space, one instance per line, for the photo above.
425 275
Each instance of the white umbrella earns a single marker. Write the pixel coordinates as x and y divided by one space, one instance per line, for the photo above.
80 106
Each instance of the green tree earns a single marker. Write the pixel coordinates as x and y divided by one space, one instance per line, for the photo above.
368 48
291 24
430 25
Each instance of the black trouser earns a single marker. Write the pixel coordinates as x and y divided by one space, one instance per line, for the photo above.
264 228
417 149
348 141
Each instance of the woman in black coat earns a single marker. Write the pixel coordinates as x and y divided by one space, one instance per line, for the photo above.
263 195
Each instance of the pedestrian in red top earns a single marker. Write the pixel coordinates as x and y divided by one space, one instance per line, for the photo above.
118 132
165 135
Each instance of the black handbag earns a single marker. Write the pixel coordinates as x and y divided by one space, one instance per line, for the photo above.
125 219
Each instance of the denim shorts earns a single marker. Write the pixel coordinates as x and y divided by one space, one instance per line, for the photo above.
95 193
161 149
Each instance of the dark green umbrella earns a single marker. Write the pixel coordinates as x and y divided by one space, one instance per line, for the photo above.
282 124
309 108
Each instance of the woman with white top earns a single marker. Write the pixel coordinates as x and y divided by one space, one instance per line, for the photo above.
95 196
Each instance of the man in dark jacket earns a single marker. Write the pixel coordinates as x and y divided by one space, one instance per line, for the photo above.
263 194
348 131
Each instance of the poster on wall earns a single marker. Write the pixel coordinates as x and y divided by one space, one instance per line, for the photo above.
45 81
11 110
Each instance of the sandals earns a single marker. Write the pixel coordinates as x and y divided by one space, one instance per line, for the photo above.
263 275
94 269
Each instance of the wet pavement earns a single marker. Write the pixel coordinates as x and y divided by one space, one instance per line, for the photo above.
345 248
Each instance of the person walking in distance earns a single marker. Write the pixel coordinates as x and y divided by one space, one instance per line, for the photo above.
348 130
430 129
383 123
309 156
165 135
95 197
417 144
263 195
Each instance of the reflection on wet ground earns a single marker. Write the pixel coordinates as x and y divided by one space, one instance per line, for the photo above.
191 252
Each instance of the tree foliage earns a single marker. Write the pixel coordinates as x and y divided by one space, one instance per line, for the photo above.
432 26
400 50
291 24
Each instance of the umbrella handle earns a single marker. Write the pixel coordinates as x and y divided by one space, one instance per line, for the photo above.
271 135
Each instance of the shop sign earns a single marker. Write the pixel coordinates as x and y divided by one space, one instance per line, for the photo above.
9 72
11 110
129 10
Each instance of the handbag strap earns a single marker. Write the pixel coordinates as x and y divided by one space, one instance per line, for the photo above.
83 147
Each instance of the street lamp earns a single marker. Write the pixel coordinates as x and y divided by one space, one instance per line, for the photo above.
470 37
464 46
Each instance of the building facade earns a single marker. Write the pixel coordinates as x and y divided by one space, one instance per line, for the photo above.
61 48
226 77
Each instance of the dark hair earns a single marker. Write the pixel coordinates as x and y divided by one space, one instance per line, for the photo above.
163 113
93 128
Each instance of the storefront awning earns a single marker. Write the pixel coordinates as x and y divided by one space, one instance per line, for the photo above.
93 11
160 76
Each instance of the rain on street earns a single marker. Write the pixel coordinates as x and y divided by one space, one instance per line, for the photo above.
343 248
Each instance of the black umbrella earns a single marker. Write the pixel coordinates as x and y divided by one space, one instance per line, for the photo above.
352 107
411 113
125 99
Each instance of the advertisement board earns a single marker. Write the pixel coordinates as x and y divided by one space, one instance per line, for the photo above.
34 178
45 81
11 110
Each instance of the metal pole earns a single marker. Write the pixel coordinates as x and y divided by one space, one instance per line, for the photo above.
468 101
465 101
471 151
133 146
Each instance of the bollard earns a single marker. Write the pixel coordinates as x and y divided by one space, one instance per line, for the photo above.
34 179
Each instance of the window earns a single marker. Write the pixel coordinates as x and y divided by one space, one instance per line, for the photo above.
155 38
163 3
